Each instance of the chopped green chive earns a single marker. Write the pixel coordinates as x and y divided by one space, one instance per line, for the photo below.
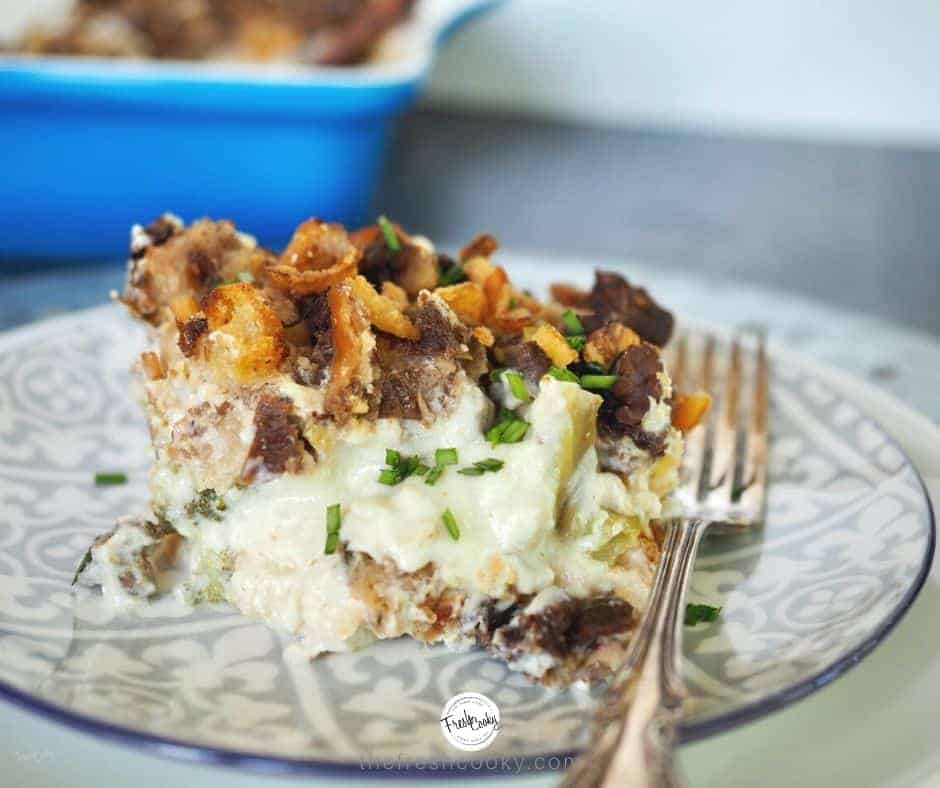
445 457
576 341
245 276
509 428
391 237
574 330
442 458
573 324
452 275
332 542
514 432
563 374
482 466
390 476
517 386
598 382
110 478
333 520
450 523
696 613
413 466
400 468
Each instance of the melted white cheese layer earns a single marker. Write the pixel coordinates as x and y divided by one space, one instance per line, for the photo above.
533 525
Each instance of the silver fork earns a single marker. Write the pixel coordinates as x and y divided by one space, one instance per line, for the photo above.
724 481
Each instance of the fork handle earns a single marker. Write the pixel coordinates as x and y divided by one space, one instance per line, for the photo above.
635 728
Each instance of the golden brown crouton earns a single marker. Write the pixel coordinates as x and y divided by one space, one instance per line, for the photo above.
553 344
247 338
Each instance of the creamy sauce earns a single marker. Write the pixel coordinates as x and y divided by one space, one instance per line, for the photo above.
532 525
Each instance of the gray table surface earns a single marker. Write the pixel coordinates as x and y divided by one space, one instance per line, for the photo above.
856 226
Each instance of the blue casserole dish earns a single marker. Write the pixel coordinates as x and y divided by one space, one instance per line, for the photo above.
89 146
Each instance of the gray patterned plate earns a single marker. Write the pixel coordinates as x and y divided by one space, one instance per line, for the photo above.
846 547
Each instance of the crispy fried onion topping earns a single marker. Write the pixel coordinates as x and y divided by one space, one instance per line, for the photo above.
384 313
351 368
569 295
484 245
319 256
505 309
467 300
605 344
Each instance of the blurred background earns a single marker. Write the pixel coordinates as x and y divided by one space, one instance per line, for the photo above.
792 144
789 145
856 70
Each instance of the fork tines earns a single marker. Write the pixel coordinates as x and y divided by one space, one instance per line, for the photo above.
724 472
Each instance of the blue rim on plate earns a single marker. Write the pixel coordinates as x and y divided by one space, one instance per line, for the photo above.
282 765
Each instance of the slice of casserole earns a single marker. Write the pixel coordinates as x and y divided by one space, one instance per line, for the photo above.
362 438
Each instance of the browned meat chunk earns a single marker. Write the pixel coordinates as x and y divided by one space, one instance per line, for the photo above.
614 300
598 618
413 385
627 402
417 377
313 363
566 630
526 357
277 446
483 621
439 337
